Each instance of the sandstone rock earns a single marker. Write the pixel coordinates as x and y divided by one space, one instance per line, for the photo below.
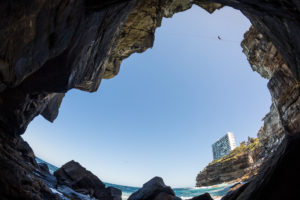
241 163
278 175
153 189
205 196
272 133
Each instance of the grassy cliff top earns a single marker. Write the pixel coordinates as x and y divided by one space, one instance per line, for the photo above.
243 148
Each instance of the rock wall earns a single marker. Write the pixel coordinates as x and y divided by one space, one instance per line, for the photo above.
267 61
77 43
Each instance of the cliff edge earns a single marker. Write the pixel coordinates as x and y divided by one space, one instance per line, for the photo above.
242 163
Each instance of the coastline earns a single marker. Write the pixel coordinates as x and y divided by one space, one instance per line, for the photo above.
216 191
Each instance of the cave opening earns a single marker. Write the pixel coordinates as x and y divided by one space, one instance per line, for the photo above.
162 105
91 40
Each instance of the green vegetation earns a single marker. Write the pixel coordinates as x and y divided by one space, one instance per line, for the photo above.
243 148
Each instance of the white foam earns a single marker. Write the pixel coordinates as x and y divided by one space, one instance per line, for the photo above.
56 192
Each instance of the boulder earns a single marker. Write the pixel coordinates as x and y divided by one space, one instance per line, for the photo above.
73 175
44 168
110 193
154 189
205 196
165 196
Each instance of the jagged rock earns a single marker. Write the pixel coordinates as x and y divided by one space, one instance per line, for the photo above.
69 193
110 193
18 179
205 196
272 133
81 180
269 62
166 196
44 168
278 175
154 189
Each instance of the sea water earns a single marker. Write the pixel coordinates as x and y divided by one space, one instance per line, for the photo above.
184 193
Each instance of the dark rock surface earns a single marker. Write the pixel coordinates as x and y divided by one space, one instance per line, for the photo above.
154 189
18 179
22 178
235 191
73 175
204 196
50 47
110 193
277 177
44 168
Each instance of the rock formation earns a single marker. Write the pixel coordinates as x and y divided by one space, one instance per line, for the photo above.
154 189
50 47
242 163
18 170
204 196
276 178
73 175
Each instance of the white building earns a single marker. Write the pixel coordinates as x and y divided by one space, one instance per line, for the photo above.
223 146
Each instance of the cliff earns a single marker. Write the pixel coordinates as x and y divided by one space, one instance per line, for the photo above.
245 161
242 163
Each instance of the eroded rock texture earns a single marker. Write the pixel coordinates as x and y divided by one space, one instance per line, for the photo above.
242 163
73 175
49 47
17 172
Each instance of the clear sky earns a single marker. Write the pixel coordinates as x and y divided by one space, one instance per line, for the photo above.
166 107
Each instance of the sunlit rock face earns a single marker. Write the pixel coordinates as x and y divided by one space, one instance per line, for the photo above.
267 61
241 164
50 47
79 43
283 85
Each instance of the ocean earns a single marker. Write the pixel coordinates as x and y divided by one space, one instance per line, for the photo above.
184 193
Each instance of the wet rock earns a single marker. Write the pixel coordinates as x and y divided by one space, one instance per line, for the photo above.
205 196
110 193
44 168
235 186
166 196
78 178
68 193
18 172
281 167
235 191
153 189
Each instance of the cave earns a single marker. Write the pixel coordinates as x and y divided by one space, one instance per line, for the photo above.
51 47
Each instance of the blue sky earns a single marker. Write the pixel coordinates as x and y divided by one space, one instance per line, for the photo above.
166 107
